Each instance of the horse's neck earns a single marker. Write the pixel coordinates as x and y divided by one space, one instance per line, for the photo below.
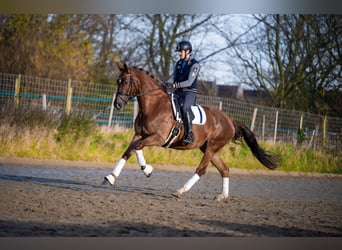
152 99
152 96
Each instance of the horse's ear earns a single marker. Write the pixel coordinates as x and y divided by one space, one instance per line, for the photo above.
126 67
122 67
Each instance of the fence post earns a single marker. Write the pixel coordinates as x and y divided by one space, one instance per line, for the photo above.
300 131
253 118
135 109
17 90
44 106
313 140
263 127
68 99
275 128
111 112
324 141
220 105
312 137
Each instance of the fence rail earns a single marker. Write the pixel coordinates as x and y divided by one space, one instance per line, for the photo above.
268 124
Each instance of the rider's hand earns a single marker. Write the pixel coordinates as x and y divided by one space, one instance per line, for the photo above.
168 85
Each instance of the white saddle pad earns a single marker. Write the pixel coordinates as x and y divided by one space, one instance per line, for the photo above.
200 116
197 110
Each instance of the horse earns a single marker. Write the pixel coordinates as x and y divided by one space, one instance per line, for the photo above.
155 121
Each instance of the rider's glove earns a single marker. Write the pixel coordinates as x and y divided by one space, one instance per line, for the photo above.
168 85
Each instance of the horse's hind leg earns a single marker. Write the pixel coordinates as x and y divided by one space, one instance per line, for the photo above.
224 171
200 170
210 155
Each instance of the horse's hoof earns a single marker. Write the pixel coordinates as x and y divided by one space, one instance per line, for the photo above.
148 174
176 194
221 197
108 180
148 170
179 192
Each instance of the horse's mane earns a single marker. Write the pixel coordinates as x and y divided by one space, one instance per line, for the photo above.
147 73
151 76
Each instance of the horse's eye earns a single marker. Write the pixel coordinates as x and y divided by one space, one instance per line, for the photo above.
119 81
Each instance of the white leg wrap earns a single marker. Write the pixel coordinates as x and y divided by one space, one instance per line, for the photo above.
148 170
190 182
140 158
111 179
119 166
225 186
142 163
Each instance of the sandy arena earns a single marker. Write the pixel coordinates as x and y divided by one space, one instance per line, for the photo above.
61 198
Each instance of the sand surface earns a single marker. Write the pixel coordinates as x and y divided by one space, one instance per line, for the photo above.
63 198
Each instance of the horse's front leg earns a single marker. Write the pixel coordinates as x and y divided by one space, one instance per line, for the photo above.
152 140
110 179
136 146
146 168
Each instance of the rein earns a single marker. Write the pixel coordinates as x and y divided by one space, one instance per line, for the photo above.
131 84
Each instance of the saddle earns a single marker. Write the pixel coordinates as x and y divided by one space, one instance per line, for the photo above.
198 117
197 112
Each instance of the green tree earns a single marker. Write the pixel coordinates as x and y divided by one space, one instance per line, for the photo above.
103 30
46 46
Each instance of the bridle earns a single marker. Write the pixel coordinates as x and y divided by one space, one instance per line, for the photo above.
131 85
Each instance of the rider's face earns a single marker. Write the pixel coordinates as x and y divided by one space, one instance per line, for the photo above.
183 54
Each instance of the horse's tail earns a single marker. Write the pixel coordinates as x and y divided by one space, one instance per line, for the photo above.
268 159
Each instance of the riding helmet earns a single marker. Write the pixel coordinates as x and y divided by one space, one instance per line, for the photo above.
184 45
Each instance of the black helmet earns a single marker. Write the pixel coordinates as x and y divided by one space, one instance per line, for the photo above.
184 45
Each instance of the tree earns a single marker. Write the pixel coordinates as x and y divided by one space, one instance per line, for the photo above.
150 40
15 41
103 30
49 46
295 59
86 47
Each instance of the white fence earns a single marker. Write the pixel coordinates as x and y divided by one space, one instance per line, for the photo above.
268 124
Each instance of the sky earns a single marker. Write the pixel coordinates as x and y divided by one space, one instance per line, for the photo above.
217 68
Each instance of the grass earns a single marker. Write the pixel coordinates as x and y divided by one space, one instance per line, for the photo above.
40 135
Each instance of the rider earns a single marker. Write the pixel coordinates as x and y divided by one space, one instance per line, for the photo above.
184 81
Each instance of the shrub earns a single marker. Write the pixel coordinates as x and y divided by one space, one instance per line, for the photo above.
75 126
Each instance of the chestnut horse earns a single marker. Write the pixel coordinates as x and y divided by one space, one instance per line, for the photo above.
155 121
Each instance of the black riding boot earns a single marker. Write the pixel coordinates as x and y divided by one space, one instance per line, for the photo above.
188 136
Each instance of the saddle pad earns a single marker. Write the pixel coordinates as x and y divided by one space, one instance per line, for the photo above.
200 116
